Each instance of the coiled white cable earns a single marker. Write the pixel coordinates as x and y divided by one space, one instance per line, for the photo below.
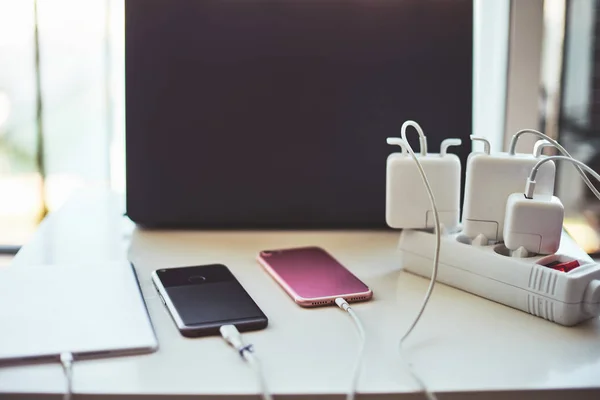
234 338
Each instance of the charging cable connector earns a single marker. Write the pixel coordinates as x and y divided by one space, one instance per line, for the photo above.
529 188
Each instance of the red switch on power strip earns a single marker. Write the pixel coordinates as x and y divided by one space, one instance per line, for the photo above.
564 266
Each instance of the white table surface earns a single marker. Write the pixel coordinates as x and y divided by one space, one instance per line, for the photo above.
464 346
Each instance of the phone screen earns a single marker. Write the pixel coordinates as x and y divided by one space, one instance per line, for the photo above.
208 296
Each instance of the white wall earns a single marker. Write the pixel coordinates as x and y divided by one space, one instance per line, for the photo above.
490 56
524 71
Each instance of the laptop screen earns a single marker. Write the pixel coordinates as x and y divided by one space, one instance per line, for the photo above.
274 114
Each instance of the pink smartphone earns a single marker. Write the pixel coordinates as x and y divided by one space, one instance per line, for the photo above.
312 277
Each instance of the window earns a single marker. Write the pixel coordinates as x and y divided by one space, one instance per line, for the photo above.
78 139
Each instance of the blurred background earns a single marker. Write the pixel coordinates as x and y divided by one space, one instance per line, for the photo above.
62 113
572 113
61 107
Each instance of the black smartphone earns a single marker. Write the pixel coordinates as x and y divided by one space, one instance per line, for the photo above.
201 299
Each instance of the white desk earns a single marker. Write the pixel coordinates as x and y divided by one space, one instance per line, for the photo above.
464 345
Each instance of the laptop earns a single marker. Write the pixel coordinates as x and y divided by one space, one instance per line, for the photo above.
89 310
275 114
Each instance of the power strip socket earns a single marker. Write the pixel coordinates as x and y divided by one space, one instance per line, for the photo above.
526 284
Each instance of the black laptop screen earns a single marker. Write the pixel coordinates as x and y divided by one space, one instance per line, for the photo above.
274 113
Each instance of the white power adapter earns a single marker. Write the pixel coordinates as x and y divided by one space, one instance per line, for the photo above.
407 202
491 178
533 223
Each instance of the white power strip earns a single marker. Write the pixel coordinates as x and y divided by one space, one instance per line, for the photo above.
566 298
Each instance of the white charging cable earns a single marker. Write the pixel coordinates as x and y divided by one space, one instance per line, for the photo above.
422 137
436 220
530 186
436 255
66 360
343 304
234 338
563 151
